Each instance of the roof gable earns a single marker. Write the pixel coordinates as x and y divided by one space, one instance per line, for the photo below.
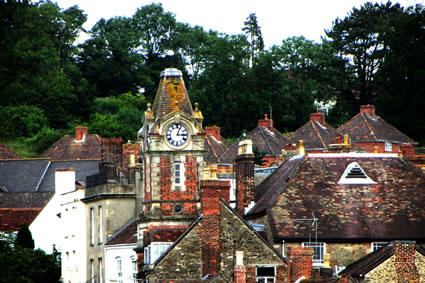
7 153
315 135
215 148
354 174
364 127
126 235
68 149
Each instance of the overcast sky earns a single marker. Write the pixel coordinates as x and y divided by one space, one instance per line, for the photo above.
278 19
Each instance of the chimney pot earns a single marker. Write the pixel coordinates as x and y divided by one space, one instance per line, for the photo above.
319 117
80 133
369 109
266 122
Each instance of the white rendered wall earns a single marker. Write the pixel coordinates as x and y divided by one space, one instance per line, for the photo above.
128 255
73 228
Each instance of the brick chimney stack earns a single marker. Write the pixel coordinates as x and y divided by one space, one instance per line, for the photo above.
80 133
211 192
319 117
266 122
245 182
406 269
369 109
240 269
213 131
300 263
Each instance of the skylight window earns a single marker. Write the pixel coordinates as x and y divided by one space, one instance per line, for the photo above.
354 174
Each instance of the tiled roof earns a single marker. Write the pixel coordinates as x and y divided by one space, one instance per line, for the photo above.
67 149
373 260
366 127
24 199
11 219
22 175
265 140
171 95
31 175
7 153
19 208
392 208
215 148
127 235
83 168
315 135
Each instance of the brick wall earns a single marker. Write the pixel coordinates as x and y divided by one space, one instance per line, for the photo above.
404 262
300 263
245 182
266 122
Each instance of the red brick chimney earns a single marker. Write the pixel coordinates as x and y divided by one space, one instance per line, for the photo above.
319 117
369 109
300 263
111 151
245 182
240 269
266 122
404 263
80 133
209 231
130 155
407 149
213 131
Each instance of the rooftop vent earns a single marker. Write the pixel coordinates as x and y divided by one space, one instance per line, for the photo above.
354 174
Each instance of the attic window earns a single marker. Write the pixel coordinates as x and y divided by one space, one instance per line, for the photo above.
354 174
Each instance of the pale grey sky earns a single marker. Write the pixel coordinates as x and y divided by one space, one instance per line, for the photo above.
278 19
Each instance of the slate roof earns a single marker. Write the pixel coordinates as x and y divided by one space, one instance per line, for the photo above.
315 135
67 149
22 175
171 94
265 140
127 235
19 208
366 127
38 175
24 199
7 153
392 208
373 260
215 149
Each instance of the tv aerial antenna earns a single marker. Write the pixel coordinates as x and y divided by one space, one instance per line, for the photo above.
314 223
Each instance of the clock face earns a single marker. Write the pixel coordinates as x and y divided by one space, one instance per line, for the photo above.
177 134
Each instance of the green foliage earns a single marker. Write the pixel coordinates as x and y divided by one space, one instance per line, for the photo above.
21 121
258 156
24 238
255 38
22 265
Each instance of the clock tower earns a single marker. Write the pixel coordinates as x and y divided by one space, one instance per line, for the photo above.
171 151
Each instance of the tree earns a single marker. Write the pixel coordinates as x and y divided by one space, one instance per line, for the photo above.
359 40
24 238
253 32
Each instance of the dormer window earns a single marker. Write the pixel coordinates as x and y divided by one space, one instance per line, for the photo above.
354 174
388 146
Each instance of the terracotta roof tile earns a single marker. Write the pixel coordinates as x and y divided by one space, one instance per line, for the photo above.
365 127
7 153
315 135
215 148
11 219
265 140
127 235
67 149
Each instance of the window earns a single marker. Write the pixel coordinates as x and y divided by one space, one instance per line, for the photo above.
134 267
177 175
100 225
100 274
91 226
154 251
319 252
119 268
92 276
388 146
266 274
377 245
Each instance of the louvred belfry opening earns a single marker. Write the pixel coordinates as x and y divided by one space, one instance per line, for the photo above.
354 174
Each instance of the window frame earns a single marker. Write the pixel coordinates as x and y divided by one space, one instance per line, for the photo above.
265 278
377 245
316 245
